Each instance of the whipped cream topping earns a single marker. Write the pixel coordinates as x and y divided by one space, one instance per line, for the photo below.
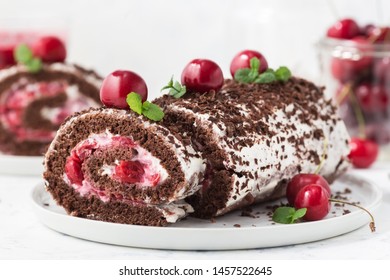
271 157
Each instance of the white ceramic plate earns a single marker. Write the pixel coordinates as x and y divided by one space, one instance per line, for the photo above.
21 165
232 231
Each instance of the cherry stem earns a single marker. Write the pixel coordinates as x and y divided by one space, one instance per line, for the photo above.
324 152
372 223
347 91
344 93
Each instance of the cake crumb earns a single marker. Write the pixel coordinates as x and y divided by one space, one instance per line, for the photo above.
346 211
247 213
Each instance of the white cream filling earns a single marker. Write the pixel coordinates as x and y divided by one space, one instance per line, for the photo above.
175 211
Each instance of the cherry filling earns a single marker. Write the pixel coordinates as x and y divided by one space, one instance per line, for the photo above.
143 169
15 101
129 172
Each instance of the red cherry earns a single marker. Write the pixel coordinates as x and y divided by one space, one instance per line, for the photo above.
382 70
380 97
118 85
8 42
242 60
315 199
202 75
6 57
50 49
299 181
379 34
372 97
73 170
129 172
365 97
363 152
345 69
367 30
344 29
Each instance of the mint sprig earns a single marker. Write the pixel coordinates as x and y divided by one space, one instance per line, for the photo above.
252 75
148 109
283 73
176 89
288 215
24 55
152 111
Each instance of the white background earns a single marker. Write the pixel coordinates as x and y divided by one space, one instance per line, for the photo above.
158 38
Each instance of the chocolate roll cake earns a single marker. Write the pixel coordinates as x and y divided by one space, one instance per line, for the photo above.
33 105
210 154
255 137
113 165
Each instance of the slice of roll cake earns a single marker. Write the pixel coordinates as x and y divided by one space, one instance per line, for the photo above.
33 105
112 165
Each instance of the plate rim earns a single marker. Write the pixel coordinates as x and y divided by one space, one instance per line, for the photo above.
372 206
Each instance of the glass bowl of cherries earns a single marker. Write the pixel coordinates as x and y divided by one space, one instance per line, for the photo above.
355 66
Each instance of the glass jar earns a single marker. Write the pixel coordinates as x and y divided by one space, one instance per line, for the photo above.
357 75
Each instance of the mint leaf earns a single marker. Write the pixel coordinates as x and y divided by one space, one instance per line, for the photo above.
252 75
148 109
255 64
287 215
270 70
242 76
34 65
169 85
283 73
134 101
299 214
23 54
283 215
266 77
180 90
176 89
152 111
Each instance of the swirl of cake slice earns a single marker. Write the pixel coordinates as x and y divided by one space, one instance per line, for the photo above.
255 137
34 104
114 165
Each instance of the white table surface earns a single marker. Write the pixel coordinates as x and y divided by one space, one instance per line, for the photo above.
22 236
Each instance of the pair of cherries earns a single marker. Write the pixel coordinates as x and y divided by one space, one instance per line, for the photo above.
199 75
310 191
